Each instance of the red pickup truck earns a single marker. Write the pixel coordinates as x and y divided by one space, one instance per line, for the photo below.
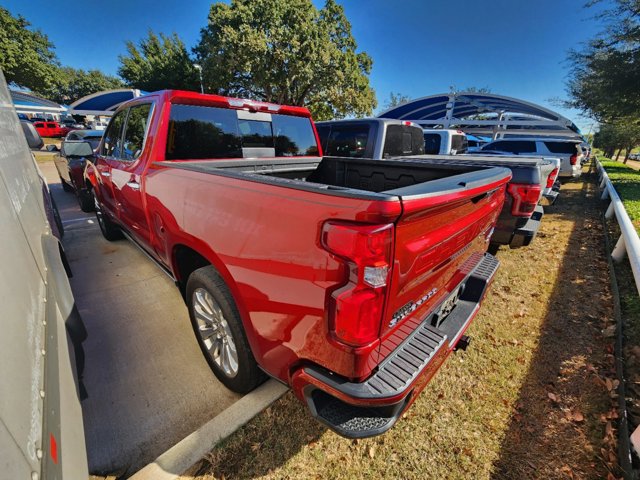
350 280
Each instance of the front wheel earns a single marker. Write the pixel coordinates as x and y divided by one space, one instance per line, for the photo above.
86 200
109 230
218 328
65 186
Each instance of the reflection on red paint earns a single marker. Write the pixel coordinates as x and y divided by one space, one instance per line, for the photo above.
53 448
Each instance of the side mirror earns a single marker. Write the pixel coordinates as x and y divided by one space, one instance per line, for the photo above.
77 149
34 140
52 148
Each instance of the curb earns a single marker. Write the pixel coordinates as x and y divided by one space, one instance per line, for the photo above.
172 463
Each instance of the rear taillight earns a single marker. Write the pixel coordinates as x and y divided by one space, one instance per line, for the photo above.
525 198
356 308
574 159
552 177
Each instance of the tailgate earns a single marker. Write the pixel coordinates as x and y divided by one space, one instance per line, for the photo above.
443 223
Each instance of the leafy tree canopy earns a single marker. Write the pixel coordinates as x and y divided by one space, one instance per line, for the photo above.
287 52
27 57
70 84
158 62
394 100
605 74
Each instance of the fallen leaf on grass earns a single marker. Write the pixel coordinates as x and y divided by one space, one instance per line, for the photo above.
609 331
567 470
553 397
608 384
372 451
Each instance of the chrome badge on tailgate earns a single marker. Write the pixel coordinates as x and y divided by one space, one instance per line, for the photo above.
410 307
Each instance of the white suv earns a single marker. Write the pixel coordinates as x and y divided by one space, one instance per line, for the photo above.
568 151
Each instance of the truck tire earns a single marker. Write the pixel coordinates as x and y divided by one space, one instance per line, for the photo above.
109 230
65 186
86 201
219 331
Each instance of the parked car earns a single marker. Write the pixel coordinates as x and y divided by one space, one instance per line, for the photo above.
51 129
475 143
77 148
71 123
42 434
444 141
98 124
568 150
370 138
549 171
349 279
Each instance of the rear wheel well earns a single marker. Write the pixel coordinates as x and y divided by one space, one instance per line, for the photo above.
186 261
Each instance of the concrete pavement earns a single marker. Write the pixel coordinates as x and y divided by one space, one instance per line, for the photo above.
148 383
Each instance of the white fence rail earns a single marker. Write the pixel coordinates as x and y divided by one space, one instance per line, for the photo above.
629 242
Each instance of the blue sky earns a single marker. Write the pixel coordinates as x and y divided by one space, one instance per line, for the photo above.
419 47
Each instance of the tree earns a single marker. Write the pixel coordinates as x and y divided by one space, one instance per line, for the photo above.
287 52
453 89
394 100
604 76
158 63
27 57
621 135
70 84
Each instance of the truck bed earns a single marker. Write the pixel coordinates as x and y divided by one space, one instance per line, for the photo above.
356 178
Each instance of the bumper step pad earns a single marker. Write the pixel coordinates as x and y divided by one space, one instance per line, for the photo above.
398 372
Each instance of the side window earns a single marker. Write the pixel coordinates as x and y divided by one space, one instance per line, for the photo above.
112 137
197 132
348 141
432 143
135 130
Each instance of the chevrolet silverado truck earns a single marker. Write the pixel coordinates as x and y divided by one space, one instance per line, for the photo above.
350 280
379 138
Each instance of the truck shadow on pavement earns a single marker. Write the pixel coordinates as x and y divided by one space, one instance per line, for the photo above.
560 418
148 383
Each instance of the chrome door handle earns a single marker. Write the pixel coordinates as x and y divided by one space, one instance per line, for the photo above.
134 185
105 174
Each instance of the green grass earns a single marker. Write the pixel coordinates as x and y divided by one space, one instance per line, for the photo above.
505 408
626 181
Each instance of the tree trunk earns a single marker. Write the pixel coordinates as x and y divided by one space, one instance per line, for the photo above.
626 154
618 154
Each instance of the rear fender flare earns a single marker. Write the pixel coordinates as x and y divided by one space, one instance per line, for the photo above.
206 252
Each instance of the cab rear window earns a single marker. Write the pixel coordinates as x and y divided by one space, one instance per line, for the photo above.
199 132
347 141
562 147
403 140
432 143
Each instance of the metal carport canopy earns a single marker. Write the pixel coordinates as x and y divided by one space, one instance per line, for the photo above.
103 103
484 114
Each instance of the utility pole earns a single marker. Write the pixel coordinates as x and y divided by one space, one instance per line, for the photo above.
199 68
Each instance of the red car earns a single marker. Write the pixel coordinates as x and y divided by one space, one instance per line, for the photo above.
51 129
350 280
